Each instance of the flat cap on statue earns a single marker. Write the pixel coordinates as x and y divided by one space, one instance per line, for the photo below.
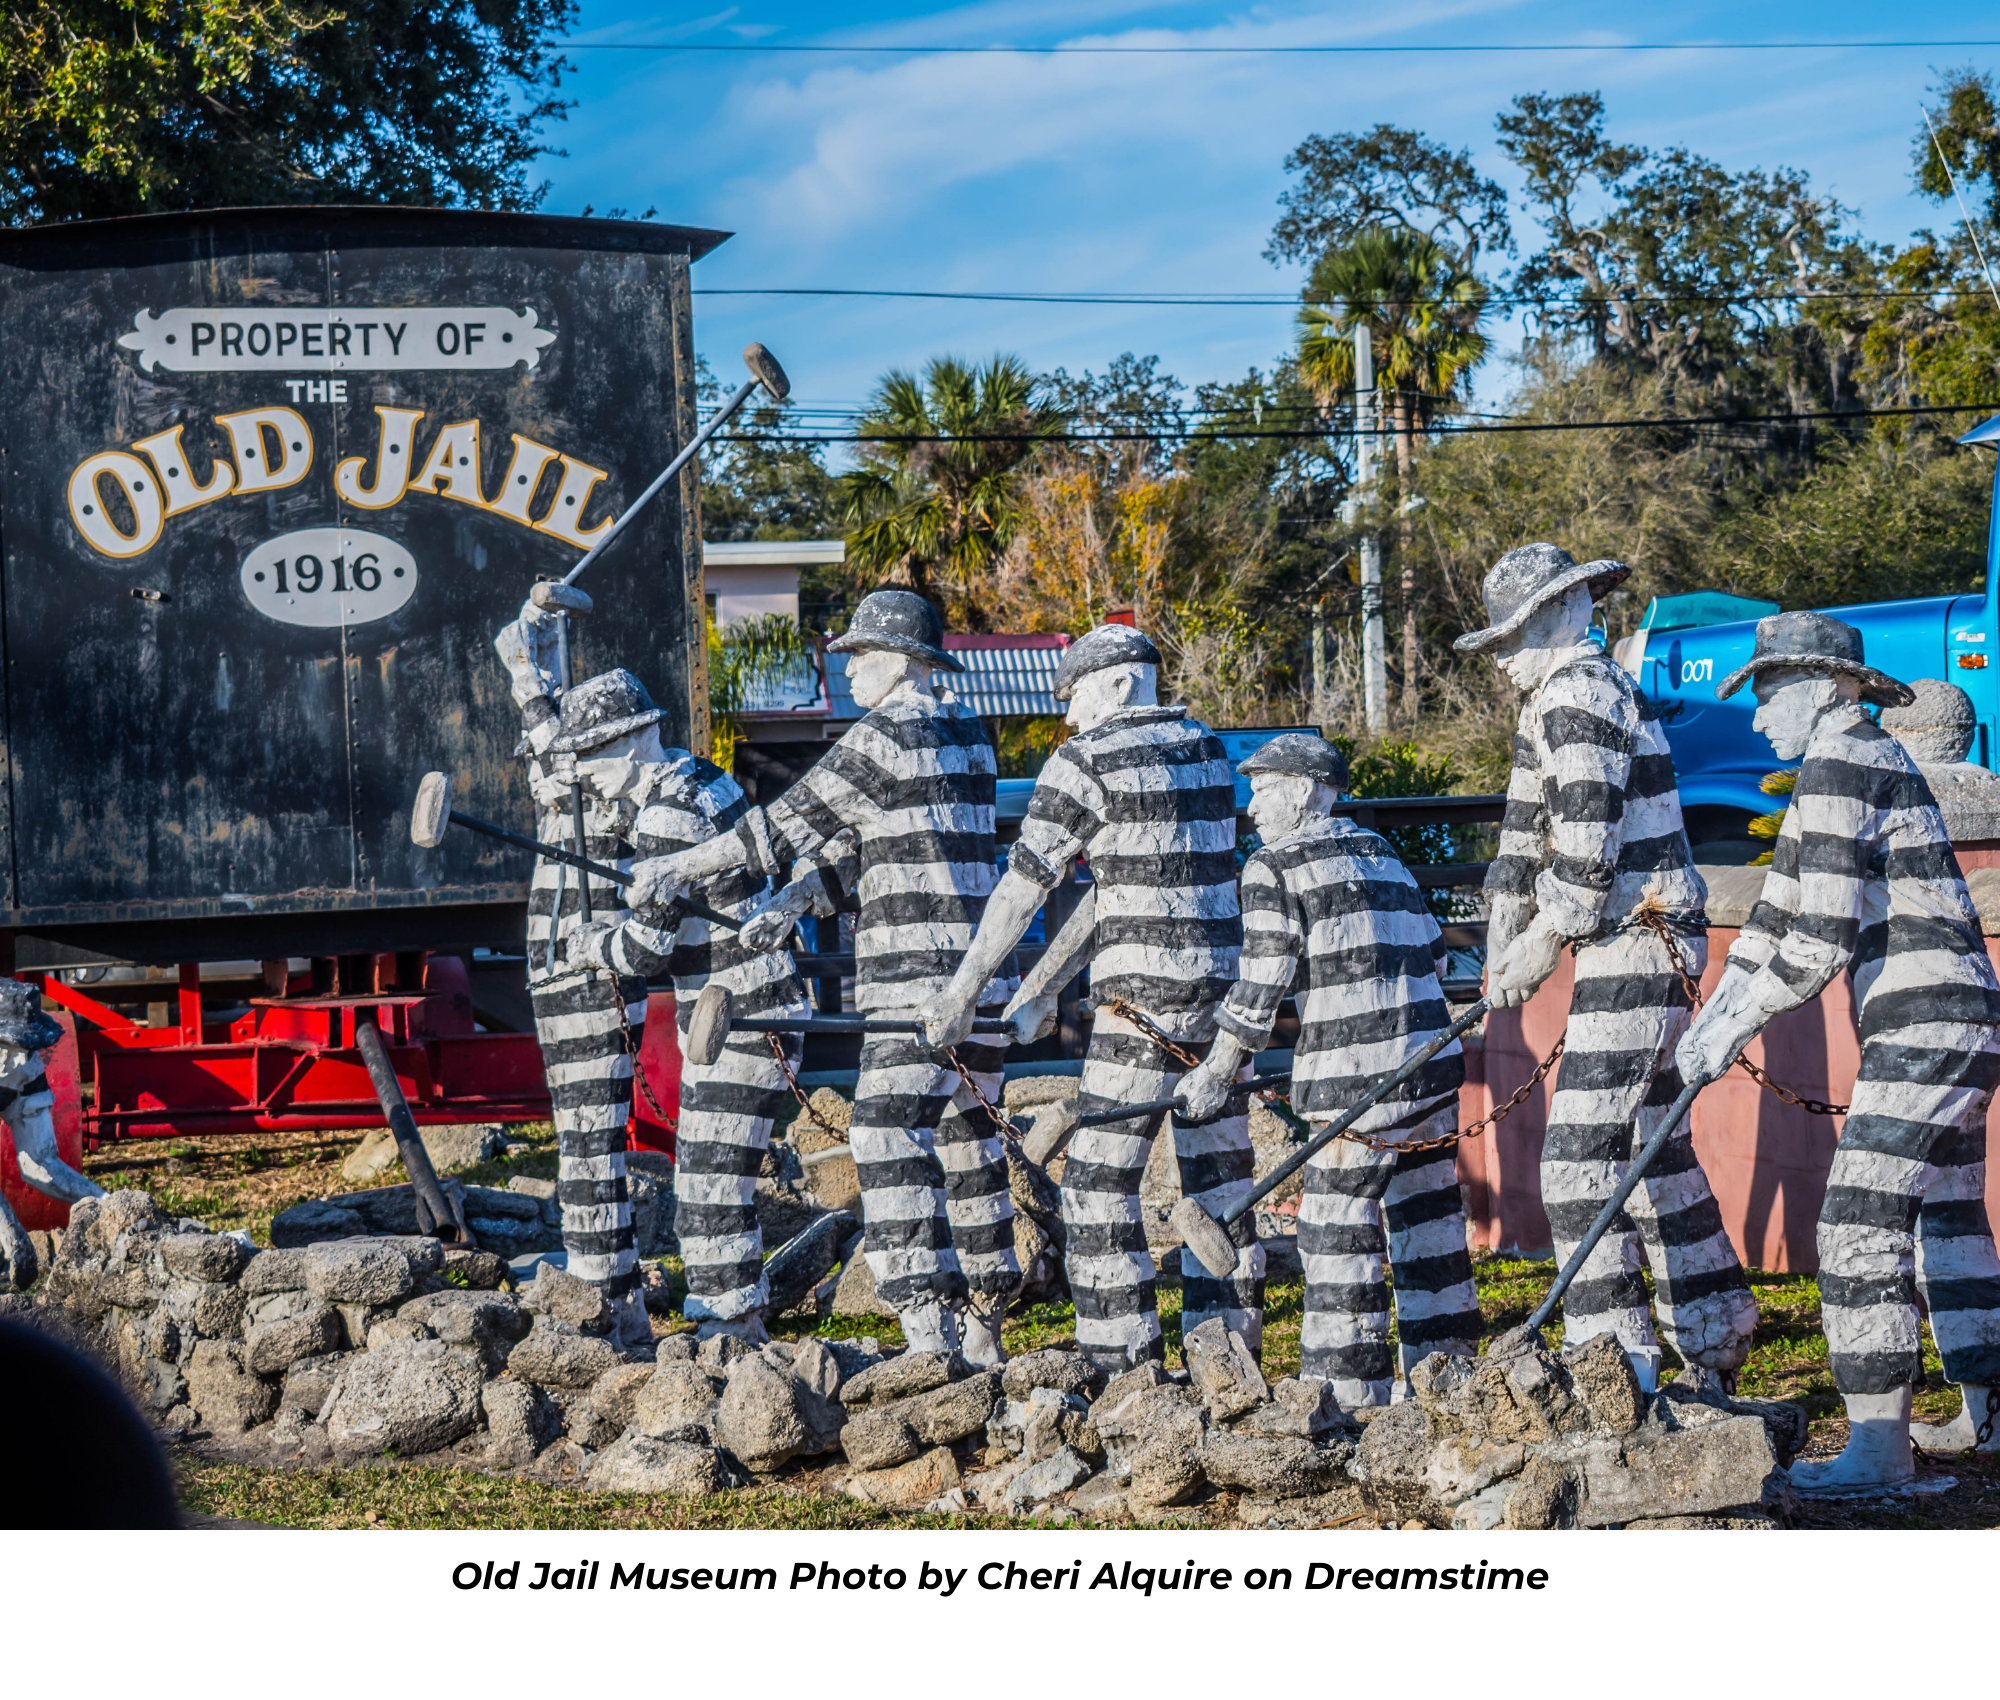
1303 753
1101 647
1815 643
1525 578
900 620
600 709
22 1022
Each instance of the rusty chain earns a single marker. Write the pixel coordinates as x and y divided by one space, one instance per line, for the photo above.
1126 1011
671 1124
1654 923
792 1080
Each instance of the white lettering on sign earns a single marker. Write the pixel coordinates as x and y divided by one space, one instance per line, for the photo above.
338 339
1695 672
329 576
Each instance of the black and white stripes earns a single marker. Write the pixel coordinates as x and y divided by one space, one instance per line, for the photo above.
1150 797
1863 873
1329 911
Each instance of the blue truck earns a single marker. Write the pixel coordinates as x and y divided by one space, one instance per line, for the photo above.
1688 645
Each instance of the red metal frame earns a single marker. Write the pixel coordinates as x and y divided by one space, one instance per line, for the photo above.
290 1064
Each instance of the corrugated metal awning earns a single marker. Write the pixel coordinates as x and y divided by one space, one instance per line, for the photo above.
1006 674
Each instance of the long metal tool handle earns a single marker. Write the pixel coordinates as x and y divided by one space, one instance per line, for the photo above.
1676 1114
446 1223
1131 1112
603 870
721 417
842 1024
582 846
1352 1114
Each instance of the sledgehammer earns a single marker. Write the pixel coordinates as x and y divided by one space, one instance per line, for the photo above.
432 813
1209 1239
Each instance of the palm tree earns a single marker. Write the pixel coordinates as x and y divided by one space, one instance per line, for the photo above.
1423 314
933 502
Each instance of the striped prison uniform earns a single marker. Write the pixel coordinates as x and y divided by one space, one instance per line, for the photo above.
913 782
582 1020
1863 877
1593 840
1329 912
1149 798
29 1109
727 1107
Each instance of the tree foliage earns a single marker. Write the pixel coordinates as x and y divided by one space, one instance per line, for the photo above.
1349 183
128 106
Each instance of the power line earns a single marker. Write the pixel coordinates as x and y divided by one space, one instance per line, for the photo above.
1279 298
1185 49
1435 428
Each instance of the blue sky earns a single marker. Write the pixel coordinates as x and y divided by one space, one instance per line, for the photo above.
915 169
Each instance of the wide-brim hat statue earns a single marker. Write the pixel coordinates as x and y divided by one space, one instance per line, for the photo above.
1303 753
22 1021
600 709
1815 643
1101 647
900 620
1523 579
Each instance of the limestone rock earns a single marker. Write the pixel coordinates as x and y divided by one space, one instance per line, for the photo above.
1032 1091
485 1323
818 1368
563 1298
929 1476
358 1271
1303 1409
274 1347
1603 1378
1064 1369
854 1294
1655 1473
1519 1391
802 1262
1275 1466
1057 1473
411 1397
394 1328
211 1310
637 1463
309 1381
275 1272
203 1257
897 1378
879 1436
1166 1469
1128 1407
1391 1465
1272 1141
675 1398
1681 1406
316 1220
760 1420
228 1396
614 1395
1224 1370
483 1270
519 1423
553 1357
459 1145
719 1351
375 1155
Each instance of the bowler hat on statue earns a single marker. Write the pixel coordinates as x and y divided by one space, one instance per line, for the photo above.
1101 647
600 709
900 620
1525 578
22 1022
1304 753
1815 643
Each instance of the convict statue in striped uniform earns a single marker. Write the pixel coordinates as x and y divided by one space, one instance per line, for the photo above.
912 786
1146 793
1863 878
728 1106
1330 914
601 734
1593 858
28 1106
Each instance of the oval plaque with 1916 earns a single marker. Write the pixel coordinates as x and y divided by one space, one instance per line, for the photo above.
329 576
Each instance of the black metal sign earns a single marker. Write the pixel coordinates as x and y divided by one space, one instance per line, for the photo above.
272 481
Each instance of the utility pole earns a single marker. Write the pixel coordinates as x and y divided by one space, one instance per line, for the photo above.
1374 664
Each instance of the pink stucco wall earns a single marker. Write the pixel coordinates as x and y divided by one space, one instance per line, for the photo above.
1766 1160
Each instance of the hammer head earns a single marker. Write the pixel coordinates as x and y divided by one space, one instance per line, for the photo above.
1053 1126
1206 1238
766 370
431 813
552 596
708 1027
